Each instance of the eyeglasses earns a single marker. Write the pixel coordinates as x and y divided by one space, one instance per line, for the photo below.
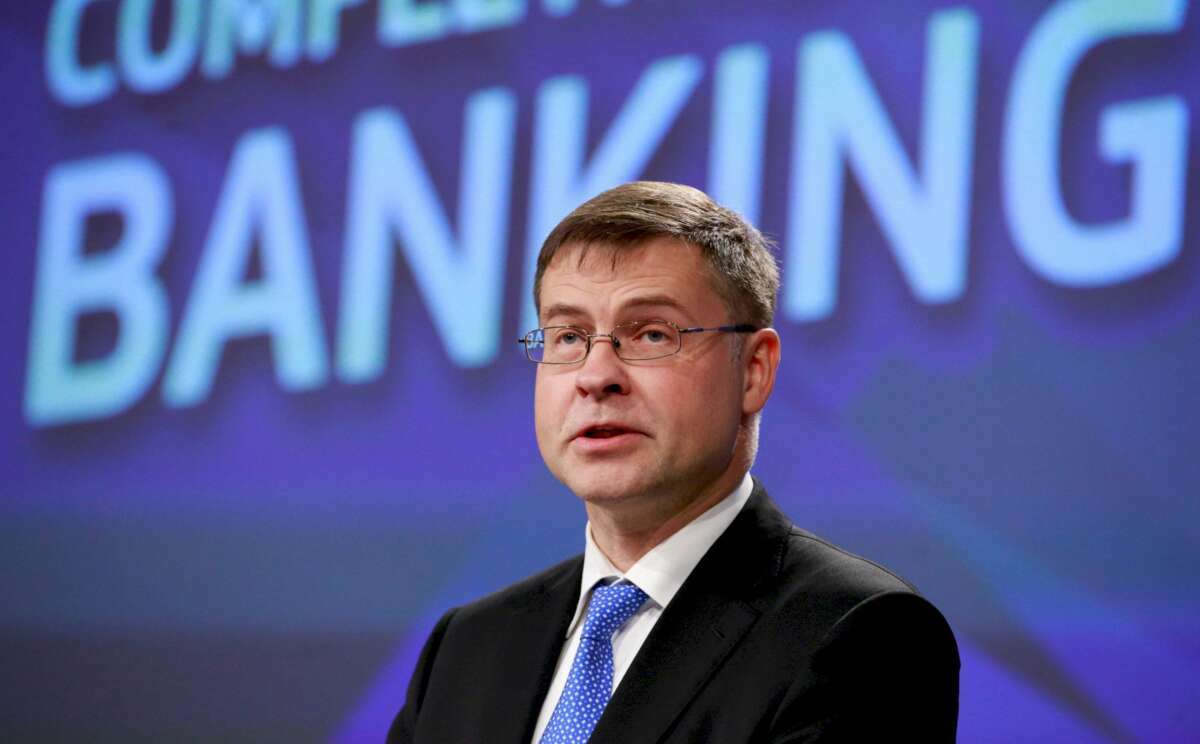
635 341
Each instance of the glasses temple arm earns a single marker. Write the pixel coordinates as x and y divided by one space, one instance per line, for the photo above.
740 328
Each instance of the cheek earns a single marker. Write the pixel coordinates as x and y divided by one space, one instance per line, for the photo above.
696 400
548 408
714 397
540 409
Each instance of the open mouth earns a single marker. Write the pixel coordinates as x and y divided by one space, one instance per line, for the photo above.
604 433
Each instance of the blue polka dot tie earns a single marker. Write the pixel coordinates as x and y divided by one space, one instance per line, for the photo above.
589 683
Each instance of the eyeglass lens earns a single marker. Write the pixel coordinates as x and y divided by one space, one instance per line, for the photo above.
631 341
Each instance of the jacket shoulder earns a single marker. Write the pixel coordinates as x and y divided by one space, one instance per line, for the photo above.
854 597
799 557
814 559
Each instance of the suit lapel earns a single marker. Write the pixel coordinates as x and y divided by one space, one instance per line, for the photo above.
534 641
702 625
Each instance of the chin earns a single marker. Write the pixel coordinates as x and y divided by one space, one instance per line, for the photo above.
604 487
602 493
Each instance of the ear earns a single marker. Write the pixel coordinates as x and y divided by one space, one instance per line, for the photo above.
760 361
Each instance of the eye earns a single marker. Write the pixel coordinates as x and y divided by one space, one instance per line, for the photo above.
567 337
653 333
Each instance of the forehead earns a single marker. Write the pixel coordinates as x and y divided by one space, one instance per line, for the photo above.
599 278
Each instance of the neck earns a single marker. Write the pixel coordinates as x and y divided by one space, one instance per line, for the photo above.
626 531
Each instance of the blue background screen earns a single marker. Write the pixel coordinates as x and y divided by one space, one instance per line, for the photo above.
263 421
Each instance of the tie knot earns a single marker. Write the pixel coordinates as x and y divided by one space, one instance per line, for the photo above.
611 606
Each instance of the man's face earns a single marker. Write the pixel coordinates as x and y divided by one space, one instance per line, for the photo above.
613 430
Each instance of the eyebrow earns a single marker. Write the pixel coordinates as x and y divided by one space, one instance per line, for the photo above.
563 310
655 301
574 312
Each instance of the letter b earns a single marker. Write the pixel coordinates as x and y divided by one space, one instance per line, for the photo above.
58 388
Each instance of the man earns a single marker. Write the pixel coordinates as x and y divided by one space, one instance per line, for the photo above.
698 612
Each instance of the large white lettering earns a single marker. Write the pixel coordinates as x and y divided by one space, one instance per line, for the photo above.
1151 134
119 279
260 198
147 70
460 280
739 123
248 26
561 181
70 82
215 32
839 117
457 257
324 25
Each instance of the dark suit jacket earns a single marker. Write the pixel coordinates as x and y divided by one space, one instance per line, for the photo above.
777 636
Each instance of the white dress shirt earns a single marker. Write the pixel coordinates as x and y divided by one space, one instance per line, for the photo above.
659 573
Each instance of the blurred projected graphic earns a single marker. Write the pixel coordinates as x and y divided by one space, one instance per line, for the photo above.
264 423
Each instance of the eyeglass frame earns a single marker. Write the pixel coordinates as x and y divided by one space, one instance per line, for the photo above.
526 340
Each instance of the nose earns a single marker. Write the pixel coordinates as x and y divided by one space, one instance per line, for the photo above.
602 373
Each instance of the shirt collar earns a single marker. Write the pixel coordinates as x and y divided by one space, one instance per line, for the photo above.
661 572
